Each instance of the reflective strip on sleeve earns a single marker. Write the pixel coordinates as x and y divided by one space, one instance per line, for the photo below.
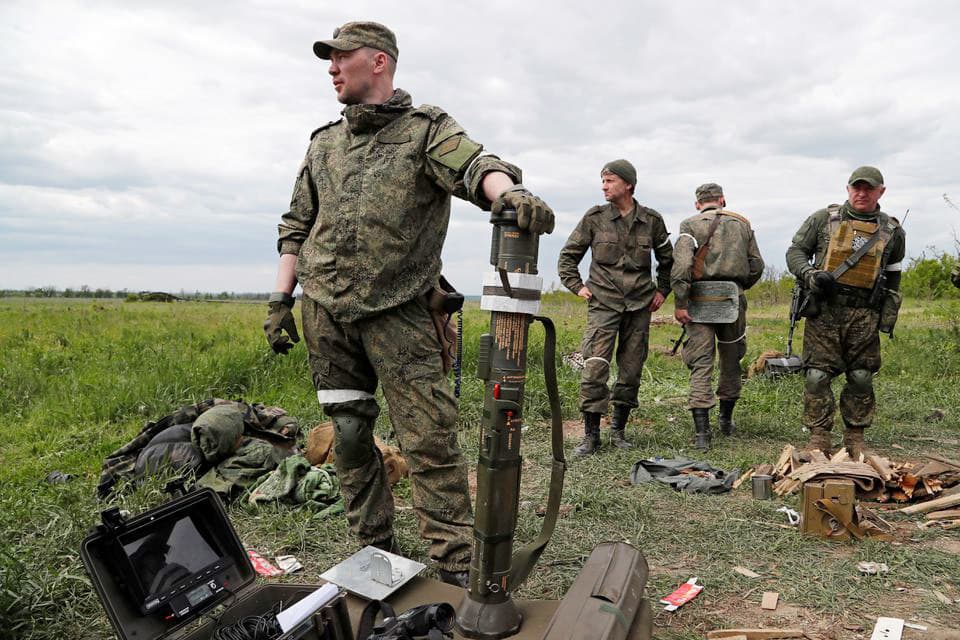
896 266
667 241
696 245
332 396
603 360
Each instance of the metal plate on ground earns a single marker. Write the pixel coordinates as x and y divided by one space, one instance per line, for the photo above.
357 574
714 301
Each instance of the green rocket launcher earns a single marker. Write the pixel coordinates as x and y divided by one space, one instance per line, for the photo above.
512 295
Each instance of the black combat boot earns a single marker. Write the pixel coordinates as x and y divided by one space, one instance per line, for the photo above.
620 414
726 423
591 435
701 423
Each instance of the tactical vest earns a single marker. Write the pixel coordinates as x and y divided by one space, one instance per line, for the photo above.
846 237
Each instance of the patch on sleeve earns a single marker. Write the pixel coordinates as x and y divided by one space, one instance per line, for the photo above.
455 152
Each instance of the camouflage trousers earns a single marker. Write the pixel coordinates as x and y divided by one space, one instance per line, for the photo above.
729 342
840 340
630 332
399 349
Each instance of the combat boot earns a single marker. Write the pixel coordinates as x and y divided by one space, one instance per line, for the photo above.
701 424
620 414
855 444
820 441
727 426
591 435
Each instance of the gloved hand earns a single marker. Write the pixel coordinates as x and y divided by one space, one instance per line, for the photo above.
533 213
280 319
818 282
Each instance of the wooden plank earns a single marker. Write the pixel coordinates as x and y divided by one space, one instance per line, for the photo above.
932 505
755 634
746 572
739 481
769 600
949 514
817 456
782 467
841 456
938 458
882 465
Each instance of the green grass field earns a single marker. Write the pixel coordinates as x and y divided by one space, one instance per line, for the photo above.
79 378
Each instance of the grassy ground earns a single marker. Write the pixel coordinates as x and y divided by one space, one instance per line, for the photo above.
78 378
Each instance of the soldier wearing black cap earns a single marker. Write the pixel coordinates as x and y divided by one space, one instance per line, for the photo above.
363 237
621 295
849 305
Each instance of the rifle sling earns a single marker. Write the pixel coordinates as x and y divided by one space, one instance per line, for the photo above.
855 257
701 255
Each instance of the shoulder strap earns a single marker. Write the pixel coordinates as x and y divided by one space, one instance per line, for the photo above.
701 255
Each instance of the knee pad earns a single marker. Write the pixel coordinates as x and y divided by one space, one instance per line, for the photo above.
860 381
354 445
817 381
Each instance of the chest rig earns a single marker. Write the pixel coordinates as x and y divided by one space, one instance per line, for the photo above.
846 238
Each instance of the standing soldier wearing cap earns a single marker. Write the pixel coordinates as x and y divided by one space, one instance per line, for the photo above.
848 257
621 295
363 237
714 245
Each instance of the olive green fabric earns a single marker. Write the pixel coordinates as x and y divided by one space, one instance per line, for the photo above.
704 341
370 206
399 350
621 265
870 175
532 212
732 254
630 332
251 461
353 35
622 168
295 482
217 432
171 450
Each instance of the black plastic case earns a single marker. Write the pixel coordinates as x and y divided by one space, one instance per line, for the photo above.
108 554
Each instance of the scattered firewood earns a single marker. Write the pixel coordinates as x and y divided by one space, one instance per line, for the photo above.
932 505
944 515
882 465
755 634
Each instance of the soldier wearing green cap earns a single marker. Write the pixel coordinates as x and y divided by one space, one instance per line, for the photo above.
363 238
852 304
621 294
727 250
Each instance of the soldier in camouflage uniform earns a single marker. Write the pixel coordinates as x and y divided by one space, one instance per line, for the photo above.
363 237
732 255
844 336
621 295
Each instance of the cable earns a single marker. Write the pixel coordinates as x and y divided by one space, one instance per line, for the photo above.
262 627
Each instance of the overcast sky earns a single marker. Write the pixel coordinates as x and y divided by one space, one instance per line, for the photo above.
153 145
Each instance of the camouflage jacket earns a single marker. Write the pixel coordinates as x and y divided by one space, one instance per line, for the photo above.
371 204
813 238
620 270
731 255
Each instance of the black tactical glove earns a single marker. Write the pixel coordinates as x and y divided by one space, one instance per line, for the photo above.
533 213
818 282
280 319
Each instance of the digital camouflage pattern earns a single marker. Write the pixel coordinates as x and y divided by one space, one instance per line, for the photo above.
248 464
844 336
371 203
603 327
732 255
622 247
400 350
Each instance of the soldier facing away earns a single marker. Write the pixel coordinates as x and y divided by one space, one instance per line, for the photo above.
847 307
714 245
363 237
621 295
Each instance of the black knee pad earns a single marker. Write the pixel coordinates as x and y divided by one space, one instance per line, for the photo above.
354 443
860 381
817 381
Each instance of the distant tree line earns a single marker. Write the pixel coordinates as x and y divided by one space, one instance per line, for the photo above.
125 294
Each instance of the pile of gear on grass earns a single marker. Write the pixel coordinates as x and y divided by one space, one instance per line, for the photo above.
240 450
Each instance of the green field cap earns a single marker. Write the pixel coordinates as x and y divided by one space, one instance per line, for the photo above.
871 175
354 35
709 191
623 169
